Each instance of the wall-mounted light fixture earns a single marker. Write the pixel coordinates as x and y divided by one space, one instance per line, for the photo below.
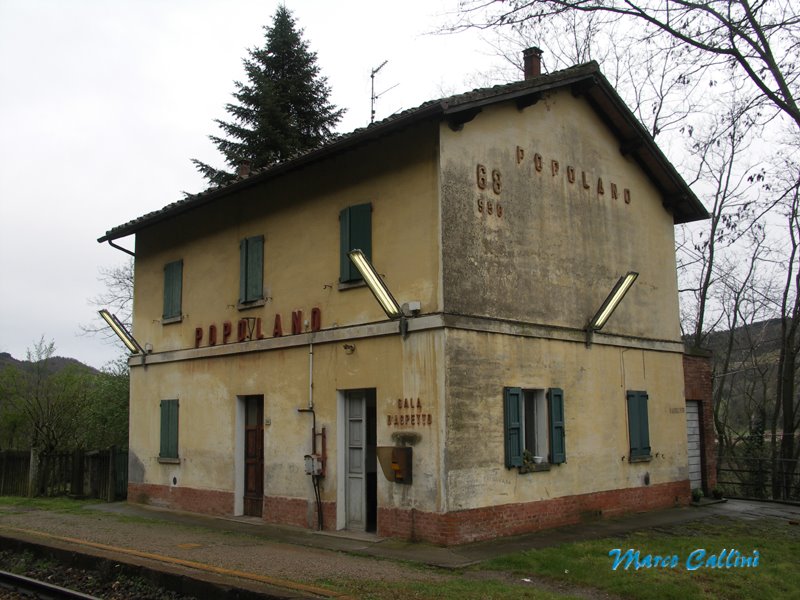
375 284
382 294
123 334
610 304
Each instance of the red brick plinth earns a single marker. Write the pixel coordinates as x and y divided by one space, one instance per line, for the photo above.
210 502
512 519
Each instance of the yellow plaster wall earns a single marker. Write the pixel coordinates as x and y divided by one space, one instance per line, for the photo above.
594 380
557 249
207 390
299 216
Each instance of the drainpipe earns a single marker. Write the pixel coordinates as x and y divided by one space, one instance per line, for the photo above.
311 376
125 250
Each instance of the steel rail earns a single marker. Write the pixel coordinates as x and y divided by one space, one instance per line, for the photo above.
39 589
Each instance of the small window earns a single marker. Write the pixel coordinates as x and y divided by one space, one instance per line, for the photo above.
251 269
169 429
534 422
638 426
173 286
355 233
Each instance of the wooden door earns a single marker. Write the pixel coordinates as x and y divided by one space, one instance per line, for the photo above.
253 455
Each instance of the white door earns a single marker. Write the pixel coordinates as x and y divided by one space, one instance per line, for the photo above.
355 463
694 445
360 461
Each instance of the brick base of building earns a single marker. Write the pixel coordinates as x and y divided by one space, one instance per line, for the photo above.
298 511
210 502
445 529
276 509
513 519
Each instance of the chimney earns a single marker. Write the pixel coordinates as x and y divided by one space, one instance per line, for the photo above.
532 61
243 170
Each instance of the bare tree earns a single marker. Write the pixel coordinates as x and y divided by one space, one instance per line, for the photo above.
117 298
759 39
655 76
787 403
724 170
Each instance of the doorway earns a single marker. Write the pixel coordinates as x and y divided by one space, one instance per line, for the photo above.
360 468
253 455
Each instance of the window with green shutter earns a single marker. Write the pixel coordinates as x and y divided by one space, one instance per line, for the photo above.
251 269
355 233
534 426
558 445
169 429
173 287
638 426
512 413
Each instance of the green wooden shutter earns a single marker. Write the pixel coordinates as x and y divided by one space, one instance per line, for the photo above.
169 429
173 283
638 425
355 232
255 268
644 424
251 269
512 413
558 448
243 271
344 245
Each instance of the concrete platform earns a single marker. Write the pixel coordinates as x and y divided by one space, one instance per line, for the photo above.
286 562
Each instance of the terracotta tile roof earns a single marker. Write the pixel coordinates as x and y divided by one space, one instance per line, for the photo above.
584 79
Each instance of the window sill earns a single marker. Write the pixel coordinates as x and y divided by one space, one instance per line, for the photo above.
534 468
169 320
169 461
349 285
638 459
251 304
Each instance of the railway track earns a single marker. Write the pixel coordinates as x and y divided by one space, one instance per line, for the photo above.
25 587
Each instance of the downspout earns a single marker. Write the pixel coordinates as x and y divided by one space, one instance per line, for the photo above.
311 375
125 250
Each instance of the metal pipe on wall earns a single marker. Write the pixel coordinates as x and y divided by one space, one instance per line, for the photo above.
311 376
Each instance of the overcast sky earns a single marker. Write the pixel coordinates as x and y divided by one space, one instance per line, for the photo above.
103 103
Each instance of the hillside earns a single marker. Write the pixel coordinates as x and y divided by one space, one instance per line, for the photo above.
746 385
55 363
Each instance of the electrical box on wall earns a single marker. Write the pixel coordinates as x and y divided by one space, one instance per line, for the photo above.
314 465
395 463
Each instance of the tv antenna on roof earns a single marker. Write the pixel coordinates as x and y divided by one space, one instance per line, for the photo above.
373 95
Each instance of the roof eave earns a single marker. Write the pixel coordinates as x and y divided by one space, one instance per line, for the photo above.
347 142
636 141
586 80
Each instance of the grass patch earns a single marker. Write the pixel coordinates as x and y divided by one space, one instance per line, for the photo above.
57 504
589 564
457 588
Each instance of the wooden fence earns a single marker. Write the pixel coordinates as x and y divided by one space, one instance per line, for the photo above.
95 474
14 468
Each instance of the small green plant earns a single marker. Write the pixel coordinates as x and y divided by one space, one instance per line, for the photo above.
716 493
527 458
697 495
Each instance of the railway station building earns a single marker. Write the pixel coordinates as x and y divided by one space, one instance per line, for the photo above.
493 397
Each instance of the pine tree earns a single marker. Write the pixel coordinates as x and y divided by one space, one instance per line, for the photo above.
281 111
